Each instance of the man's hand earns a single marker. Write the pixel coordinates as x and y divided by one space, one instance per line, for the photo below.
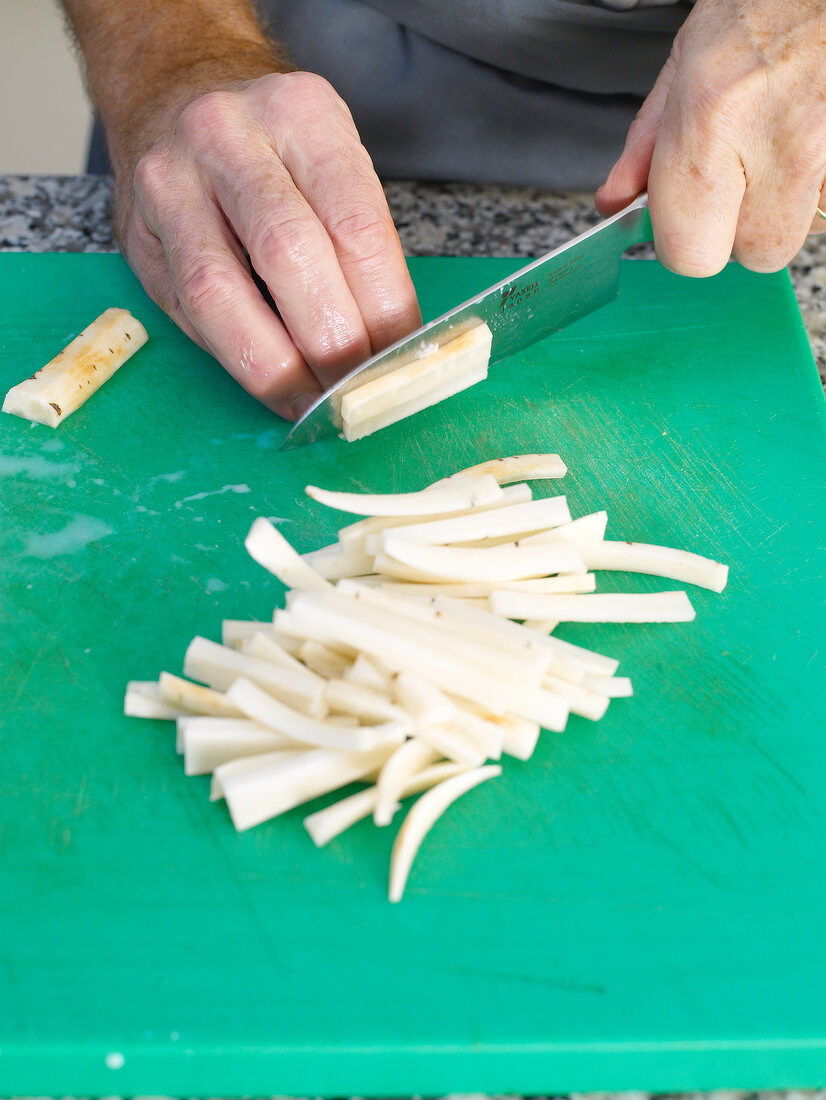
225 165
731 141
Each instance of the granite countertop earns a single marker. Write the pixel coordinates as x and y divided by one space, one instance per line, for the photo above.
73 214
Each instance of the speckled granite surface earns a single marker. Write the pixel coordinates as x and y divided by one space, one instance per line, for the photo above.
72 213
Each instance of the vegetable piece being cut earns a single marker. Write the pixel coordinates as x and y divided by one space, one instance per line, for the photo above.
427 502
64 384
438 372
421 818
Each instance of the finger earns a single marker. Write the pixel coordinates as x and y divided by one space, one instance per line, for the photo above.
291 251
695 188
778 210
218 299
629 176
334 172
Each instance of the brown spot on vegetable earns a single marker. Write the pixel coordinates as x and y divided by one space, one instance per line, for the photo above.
128 336
56 408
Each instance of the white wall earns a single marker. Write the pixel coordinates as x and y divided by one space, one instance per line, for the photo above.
44 113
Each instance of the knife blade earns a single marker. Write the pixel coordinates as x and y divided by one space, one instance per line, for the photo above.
545 296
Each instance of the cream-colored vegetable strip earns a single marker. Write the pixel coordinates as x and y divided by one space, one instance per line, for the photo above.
426 703
363 702
421 818
400 653
408 759
269 548
519 737
433 374
64 384
563 582
355 534
567 655
236 631
504 563
261 707
324 661
219 668
427 502
535 515
195 698
581 700
258 788
206 743
514 468
368 673
603 607
453 743
324 825
657 561
615 687
586 529
335 562
143 700
489 736
261 645
430 624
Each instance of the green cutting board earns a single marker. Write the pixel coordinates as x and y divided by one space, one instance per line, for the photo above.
641 905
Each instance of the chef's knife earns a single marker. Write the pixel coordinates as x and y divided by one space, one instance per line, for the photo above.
542 298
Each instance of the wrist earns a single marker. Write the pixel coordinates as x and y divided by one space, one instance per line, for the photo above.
134 119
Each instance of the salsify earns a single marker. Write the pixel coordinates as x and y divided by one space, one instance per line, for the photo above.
411 652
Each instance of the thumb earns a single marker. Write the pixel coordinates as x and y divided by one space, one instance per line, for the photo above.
629 175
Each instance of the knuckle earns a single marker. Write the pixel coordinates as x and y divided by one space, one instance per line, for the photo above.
290 240
363 234
151 175
207 287
302 99
207 115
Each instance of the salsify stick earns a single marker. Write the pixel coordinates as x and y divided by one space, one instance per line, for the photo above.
324 825
657 561
427 502
514 468
421 818
603 607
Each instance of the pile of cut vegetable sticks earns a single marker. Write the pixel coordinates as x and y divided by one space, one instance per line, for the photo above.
397 660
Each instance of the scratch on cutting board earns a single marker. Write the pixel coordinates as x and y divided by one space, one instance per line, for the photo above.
213 493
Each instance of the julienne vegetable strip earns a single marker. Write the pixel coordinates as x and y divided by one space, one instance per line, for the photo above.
410 652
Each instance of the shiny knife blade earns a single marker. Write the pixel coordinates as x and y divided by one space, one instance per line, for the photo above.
540 299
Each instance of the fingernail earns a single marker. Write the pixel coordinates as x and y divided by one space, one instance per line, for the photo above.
302 403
